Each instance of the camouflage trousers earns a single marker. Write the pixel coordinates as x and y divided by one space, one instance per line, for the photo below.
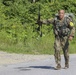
61 44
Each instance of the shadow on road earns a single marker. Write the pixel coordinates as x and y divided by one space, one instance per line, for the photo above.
42 67
34 67
23 68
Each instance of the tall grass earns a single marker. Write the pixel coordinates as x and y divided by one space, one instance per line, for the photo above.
39 45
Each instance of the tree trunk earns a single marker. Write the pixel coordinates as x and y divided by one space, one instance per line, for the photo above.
33 1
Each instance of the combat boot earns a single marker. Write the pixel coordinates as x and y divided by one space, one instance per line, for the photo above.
66 66
58 67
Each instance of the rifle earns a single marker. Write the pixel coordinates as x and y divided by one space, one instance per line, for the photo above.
39 23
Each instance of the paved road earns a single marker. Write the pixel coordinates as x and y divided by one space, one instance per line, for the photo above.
41 67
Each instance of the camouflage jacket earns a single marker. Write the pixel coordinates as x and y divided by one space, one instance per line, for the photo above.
63 27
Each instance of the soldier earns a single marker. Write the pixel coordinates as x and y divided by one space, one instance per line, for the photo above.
64 31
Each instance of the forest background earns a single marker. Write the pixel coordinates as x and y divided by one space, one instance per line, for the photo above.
19 32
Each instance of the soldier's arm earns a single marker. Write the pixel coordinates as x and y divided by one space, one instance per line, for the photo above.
72 28
48 21
72 33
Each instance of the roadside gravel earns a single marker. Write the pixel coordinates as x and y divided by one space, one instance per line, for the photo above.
12 58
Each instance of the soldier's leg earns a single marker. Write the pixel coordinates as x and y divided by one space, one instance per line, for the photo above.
66 52
57 47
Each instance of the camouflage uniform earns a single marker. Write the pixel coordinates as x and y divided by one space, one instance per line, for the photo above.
62 30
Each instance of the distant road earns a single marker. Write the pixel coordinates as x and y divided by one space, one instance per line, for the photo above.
39 67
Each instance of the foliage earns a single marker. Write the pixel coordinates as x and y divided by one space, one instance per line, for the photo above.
18 28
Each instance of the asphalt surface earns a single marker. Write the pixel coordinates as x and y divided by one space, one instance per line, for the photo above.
41 67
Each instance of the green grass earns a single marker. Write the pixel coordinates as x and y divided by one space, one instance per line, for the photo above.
39 45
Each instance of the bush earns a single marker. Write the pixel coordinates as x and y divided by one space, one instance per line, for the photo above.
18 26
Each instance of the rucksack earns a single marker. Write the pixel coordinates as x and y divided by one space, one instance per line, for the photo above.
68 15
